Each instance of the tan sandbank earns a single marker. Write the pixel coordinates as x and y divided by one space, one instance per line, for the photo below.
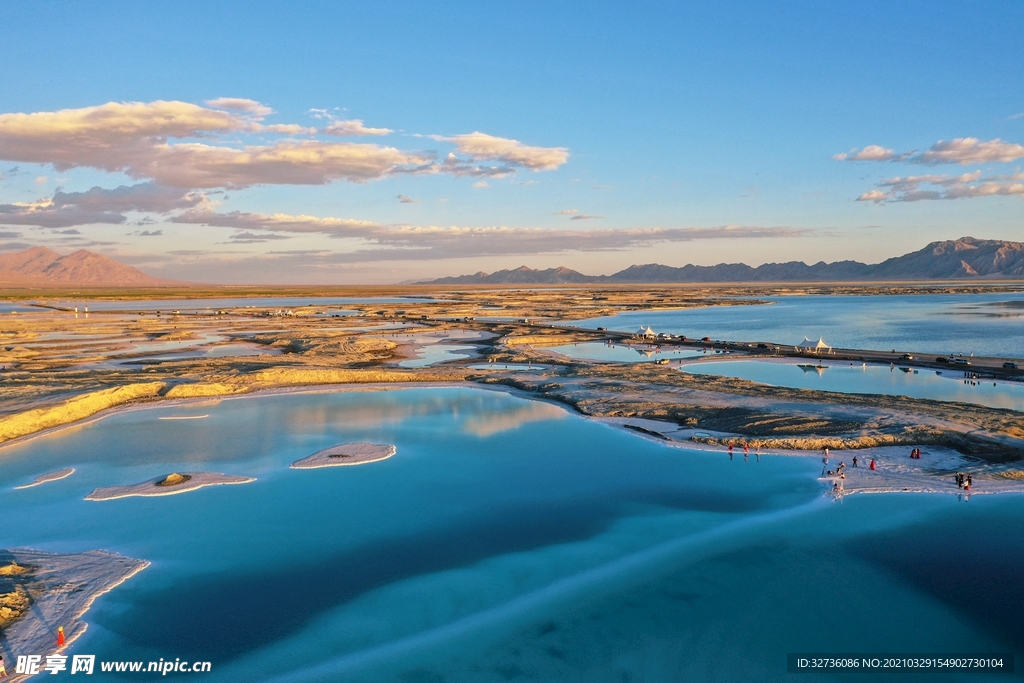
41 591
168 485
358 453
48 477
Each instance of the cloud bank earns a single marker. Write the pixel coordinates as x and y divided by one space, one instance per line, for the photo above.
380 242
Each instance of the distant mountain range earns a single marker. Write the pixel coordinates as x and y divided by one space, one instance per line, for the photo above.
965 258
42 267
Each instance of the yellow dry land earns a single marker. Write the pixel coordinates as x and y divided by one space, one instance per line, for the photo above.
205 389
305 376
72 410
296 377
540 340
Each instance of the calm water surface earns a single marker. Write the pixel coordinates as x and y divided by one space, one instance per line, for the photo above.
983 324
506 540
872 379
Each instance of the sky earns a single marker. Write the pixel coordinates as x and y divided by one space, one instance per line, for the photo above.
386 142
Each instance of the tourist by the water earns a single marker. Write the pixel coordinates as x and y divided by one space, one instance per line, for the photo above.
855 461
3 670
60 636
872 466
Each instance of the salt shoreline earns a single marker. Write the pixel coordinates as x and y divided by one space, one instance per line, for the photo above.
346 455
56 475
151 488
71 583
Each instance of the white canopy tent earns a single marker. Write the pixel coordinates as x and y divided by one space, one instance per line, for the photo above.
814 346
646 333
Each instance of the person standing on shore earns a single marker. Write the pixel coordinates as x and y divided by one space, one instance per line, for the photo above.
60 636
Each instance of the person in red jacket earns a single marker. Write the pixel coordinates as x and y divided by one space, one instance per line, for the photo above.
60 636
872 464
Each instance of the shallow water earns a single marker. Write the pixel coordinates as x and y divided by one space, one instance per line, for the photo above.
620 353
506 540
872 379
983 324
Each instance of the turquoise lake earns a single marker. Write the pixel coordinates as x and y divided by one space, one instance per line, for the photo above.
507 540
982 324
858 378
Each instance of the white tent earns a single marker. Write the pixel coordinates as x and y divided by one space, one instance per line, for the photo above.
813 346
646 332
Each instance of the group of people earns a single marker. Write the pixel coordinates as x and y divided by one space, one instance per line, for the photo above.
964 481
915 454
746 452
840 470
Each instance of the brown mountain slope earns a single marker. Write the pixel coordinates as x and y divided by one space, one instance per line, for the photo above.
40 266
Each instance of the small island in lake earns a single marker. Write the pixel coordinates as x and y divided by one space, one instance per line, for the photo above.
358 453
169 485
48 477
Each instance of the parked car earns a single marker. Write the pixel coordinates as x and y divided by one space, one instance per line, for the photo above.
907 356
1010 366
941 359
601 329
705 339
762 346
961 361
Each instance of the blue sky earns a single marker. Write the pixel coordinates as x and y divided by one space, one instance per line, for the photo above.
611 134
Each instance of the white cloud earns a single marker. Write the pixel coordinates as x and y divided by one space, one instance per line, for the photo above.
583 217
971 151
98 205
869 153
483 147
567 212
407 200
961 151
384 242
175 143
353 127
936 187
251 107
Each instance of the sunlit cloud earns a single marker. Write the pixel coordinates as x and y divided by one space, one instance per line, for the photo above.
936 187
869 153
385 242
407 200
483 147
567 212
353 127
251 107
181 145
961 151
98 206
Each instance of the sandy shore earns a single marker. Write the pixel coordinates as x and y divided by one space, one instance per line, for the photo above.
48 477
358 453
191 481
61 589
